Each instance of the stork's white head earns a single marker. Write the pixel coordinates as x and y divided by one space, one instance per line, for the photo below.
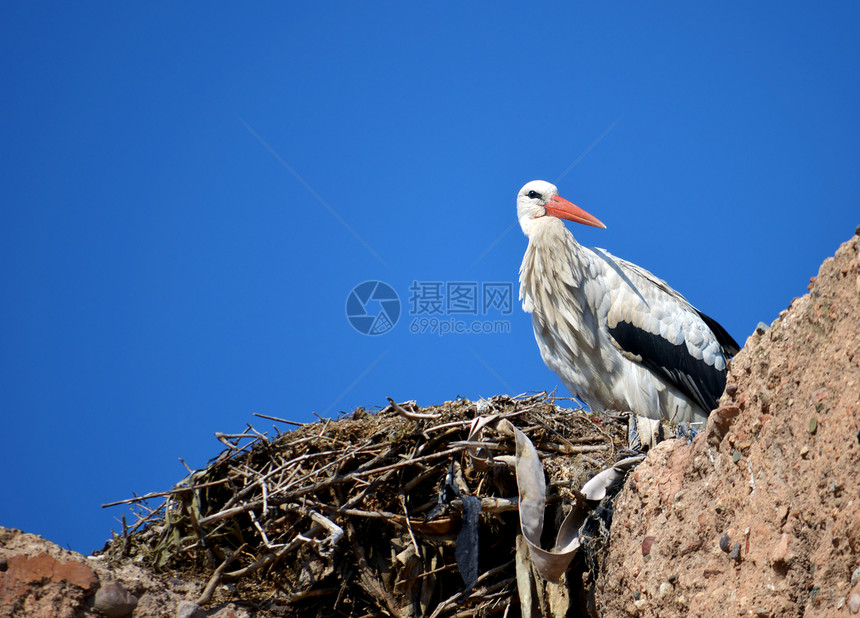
539 198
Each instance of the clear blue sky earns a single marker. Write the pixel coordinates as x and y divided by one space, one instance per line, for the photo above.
165 273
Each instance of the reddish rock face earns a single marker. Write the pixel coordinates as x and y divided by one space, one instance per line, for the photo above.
38 578
760 515
42 585
43 567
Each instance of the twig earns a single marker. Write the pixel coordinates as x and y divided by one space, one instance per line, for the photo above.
491 505
267 559
494 446
410 462
204 598
263 535
414 416
335 530
279 420
409 526
565 449
162 494
124 551
420 478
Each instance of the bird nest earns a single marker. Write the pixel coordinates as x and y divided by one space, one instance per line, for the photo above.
365 515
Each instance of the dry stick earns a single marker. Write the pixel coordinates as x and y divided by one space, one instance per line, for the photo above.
267 559
391 517
376 459
510 414
124 551
234 448
490 505
292 462
352 453
162 494
263 534
486 595
493 446
236 436
142 520
421 477
410 462
444 567
335 530
368 488
307 594
224 438
492 588
449 425
409 526
565 449
303 491
455 599
265 497
604 434
279 420
236 510
204 598
262 436
414 416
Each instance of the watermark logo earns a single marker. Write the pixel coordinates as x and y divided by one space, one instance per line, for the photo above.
435 307
373 308
460 307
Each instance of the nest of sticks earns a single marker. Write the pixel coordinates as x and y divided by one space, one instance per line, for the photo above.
363 515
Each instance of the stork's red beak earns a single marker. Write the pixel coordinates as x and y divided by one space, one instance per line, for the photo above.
561 208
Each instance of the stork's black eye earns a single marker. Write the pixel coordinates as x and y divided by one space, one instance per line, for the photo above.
534 194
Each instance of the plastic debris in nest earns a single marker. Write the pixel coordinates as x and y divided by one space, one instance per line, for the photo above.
409 511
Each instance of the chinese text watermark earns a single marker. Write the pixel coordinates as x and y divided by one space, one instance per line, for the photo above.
435 307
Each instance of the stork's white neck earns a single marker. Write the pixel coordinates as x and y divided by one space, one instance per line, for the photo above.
544 231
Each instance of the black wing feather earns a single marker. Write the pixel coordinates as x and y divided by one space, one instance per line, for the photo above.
701 382
729 346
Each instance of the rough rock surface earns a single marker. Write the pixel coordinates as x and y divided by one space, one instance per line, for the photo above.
760 515
39 578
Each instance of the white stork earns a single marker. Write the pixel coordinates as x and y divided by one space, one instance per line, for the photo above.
617 336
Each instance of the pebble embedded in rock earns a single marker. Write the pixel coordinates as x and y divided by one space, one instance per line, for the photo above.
647 543
665 590
854 602
189 609
114 601
725 542
735 554
780 550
